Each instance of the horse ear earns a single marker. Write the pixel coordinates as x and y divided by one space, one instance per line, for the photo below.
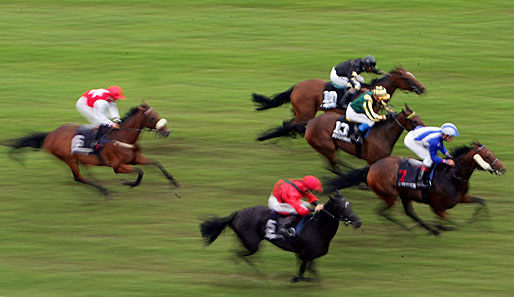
143 102
407 107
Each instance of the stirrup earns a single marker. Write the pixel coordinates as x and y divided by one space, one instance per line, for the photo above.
289 232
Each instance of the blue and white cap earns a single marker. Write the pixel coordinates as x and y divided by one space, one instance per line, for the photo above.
449 129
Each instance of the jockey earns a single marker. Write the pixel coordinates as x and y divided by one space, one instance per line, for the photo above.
98 106
286 199
425 142
347 75
361 111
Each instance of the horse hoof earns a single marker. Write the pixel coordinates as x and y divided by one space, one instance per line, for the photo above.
435 232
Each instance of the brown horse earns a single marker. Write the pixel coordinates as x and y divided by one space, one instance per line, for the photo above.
119 152
450 184
306 98
379 143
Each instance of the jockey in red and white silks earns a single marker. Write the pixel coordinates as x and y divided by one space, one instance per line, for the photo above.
286 199
98 106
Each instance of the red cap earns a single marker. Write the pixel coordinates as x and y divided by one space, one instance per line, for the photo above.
312 183
116 92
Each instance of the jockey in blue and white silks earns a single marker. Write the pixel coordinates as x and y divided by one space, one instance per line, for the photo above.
426 142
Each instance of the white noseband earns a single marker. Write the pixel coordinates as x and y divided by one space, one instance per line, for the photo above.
160 124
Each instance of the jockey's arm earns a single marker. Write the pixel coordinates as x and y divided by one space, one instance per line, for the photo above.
368 110
432 148
102 112
113 111
294 201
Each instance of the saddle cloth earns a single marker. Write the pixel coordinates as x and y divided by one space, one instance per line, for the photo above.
331 95
83 141
344 130
408 172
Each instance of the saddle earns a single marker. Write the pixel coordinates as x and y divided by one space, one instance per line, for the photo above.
86 140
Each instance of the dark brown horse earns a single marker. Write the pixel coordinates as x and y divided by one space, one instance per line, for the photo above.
450 184
379 143
249 225
306 98
119 152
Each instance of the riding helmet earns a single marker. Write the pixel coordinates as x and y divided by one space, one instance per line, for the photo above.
116 92
370 61
312 183
381 93
449 129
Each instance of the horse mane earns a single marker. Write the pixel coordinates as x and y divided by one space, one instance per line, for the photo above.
461 150
376 81
132 111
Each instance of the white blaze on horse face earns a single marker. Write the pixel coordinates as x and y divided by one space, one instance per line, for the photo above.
160 124
347 204
482 163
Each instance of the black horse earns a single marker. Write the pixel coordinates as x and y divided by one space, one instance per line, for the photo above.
312 242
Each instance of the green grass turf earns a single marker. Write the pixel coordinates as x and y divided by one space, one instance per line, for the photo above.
197 65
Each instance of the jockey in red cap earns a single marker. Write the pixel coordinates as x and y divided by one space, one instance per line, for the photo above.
286 199
98 106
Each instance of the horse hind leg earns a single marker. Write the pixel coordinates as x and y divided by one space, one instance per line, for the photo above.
409 210
74 166
301 271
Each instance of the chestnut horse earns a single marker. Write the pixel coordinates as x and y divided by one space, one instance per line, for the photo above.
450 185
306 98
119 152
379 143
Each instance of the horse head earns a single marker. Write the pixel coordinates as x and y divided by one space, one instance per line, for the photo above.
409 118
406 81
486 160
152 120
341 209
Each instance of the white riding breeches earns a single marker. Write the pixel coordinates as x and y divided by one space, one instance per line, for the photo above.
418 148
341 81
284 207
358 117
100 113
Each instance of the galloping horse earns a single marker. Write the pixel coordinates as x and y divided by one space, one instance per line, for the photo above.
120 150
379 144
312 242
306 98
450 184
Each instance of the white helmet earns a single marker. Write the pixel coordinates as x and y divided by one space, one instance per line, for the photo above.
449 129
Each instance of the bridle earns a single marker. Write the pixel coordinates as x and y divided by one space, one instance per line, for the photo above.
410 116
492 164
145 113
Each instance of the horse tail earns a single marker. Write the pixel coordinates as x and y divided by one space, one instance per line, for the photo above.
212 227
34 140
347 180
288 130
264 102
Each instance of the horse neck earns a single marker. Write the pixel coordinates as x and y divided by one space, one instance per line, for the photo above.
133 126
465 165
388 83
326 226
387 134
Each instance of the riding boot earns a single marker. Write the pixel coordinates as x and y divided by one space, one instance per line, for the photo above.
423 178
100 132
344 100
287 228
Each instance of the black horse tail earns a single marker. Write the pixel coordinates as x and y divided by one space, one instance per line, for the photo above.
34 140
211 228
347 180
288 130
264 102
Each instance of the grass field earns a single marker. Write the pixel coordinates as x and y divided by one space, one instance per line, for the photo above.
197 65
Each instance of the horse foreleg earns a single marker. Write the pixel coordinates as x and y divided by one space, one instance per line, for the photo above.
74 166
142 160
473 199
384 212
301 272
409 210
125 168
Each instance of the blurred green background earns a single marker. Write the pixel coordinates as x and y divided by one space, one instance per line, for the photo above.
197 64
